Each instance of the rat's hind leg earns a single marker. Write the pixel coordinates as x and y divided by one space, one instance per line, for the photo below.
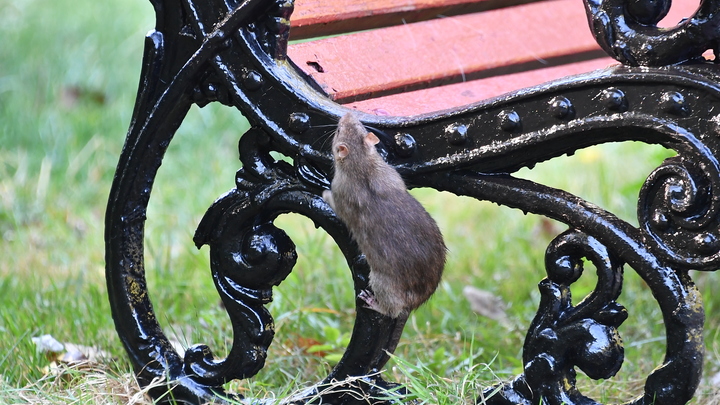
379 303
369 299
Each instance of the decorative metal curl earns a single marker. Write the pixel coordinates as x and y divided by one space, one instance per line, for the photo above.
563 336
674 382
680 212
246 261
627 30
249 256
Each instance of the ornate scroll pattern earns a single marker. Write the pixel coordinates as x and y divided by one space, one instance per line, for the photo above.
627 30
233 52
679 212
551 349
249 256
591 326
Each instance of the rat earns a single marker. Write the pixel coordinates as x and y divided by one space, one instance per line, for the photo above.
402 243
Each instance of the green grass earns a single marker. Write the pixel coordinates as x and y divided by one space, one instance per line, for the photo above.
68 76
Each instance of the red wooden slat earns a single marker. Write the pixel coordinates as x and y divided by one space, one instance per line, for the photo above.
460 94
314 18
492 43
395 59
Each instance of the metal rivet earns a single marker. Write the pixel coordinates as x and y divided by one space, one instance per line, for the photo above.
561 108
707 243
405 144
509 121
615 99
299 122
674 103
456 134
252 80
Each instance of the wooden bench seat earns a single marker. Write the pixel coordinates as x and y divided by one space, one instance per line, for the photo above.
313 18
480 55
457 95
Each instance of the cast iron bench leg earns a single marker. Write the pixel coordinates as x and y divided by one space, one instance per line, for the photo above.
471 152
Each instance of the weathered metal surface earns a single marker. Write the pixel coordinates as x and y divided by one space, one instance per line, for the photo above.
234 53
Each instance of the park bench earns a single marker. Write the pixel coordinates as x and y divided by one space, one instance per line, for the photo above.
466 93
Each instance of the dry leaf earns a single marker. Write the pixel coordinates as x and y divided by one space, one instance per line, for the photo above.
87 353
47 344
486 304
68 353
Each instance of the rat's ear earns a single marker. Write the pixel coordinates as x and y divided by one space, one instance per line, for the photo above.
342 151
371 139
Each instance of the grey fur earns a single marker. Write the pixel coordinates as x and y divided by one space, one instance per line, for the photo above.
401 242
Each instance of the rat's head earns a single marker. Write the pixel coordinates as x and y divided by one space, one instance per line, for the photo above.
352 139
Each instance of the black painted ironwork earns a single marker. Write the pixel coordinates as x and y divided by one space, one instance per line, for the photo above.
234 52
